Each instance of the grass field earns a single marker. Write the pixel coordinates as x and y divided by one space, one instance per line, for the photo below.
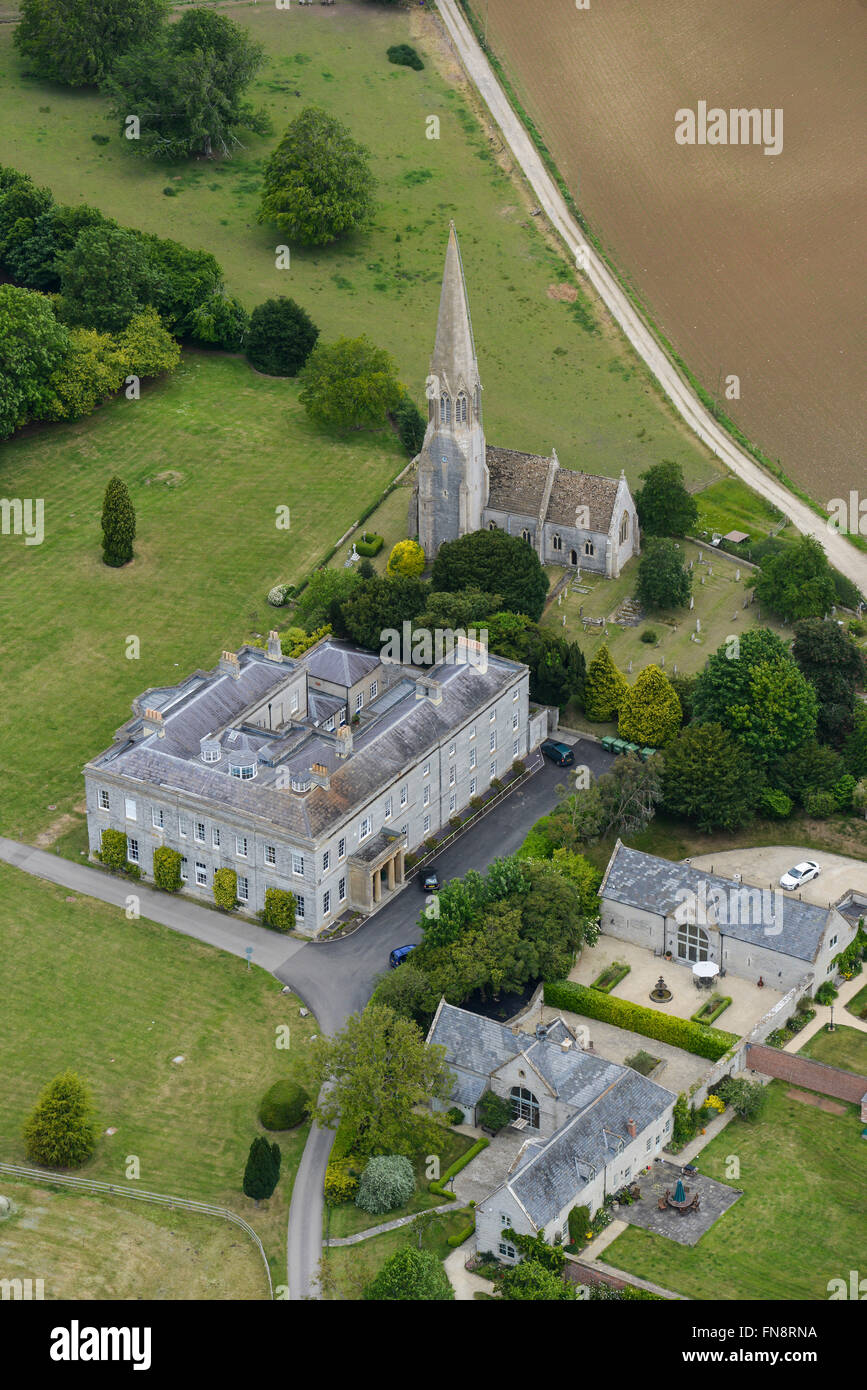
207 455
746 262
800 1222
547 381
349 1268
116 1001
96 1248
858 1003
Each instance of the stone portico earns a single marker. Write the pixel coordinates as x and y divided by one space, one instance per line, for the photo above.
376 869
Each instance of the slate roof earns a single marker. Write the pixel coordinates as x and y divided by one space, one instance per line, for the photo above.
517 485
340 663
645 881
392 739
548 1173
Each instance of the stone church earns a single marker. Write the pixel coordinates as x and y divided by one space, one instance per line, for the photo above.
465 484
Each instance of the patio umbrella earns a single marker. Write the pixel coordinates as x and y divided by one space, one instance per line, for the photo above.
679 1194
706 969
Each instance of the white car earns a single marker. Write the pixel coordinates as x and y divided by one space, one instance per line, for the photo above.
801 874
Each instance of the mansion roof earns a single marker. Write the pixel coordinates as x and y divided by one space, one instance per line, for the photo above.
518 482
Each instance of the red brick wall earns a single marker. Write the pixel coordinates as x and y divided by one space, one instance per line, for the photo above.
802 1071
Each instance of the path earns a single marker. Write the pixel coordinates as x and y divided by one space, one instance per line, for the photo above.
389 1225
841 554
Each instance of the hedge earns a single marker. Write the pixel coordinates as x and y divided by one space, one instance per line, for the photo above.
437 1187
369 543
698 1038
464 1233
284 1105
715 1013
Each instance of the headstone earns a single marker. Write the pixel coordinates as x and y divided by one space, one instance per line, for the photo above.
629 668
702 579
674 669
737 574
662 661
734 616
564 619
746 603
698 624
559 599
691 603
710 569
303 1012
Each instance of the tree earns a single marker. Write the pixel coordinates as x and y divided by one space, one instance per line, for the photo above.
33 345
77 42
650 712
318 184
628 794
349 384
281 337
145 347
855 748
377 606
663 578
60 1133
509 634
709 778
388 1182
262 1172
496 563
91 370
664 506
105 279
221 321
118 524
225 889
532 1281
585 876
409 992
806 767
410 424
323 588
835 668
465 609
279 910
186 85
380 1068
557 668
605 688
407 557
797 582
756 691
415 1276
684 688
167 869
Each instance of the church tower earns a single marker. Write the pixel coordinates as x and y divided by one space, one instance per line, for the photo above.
452 473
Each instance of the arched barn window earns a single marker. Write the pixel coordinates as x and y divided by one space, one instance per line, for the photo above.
525 1106
692 942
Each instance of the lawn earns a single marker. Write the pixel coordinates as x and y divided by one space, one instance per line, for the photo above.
85 1247
845 1047
800 1223
858 1004
349 1268
729 505
547 380
116 1001
348 1219
208 456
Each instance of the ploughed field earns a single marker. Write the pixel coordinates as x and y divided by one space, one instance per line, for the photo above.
747 262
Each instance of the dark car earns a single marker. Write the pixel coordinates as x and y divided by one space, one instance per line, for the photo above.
399 955
559 753
429 881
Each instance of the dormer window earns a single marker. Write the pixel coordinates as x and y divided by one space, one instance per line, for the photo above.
210 750
245 771
300 782
445 409
461 409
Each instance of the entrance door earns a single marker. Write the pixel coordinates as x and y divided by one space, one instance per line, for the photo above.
573 557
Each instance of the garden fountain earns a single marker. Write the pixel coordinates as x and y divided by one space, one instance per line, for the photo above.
660 994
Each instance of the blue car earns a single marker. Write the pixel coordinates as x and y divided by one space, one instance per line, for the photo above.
399 955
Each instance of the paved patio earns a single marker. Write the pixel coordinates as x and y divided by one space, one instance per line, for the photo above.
749 1003
488 1169
687 1228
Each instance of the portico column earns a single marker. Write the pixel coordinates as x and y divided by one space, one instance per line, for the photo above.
400 866
377 886
391 874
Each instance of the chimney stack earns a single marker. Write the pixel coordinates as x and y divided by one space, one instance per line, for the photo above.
230 665
632 1127
274 651
320 774
153 723
344 741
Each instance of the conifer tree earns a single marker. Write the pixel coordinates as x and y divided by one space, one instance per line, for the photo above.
605 688
60 1132
263 1169
650 712
118 524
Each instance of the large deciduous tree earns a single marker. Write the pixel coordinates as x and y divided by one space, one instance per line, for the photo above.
187 87
835 668
77 42
281 337
318 184
496 562
33 345
797 582
105 278
664 506
663 578
349 384
411 1276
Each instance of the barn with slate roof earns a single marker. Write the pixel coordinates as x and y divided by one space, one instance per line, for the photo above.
569 517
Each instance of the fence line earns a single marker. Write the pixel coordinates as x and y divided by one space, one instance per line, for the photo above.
138 1194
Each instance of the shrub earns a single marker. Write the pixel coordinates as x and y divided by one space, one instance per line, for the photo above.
341 1182
494 1112
430 842
684 1122
410 861
464 1233
225 889
410 1275
387 1183
746 1098
167 869
820 804
648 635
280 338
279 910
60 1132
262 1172
497 784
843 791
826 993
407 557
711 1009
455 1116
405 56
651 1023
279 594
369 543
519 767
455 822
775 803
113 850
476 803
579 1224
118 524
283 1106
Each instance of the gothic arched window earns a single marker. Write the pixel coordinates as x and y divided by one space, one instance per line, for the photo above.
461 409
589 548
624 528
557 543
525 535
445 409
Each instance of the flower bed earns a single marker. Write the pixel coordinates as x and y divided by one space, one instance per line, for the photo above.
611 976
711 1009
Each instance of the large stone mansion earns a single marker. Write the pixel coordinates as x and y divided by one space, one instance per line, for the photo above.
465 484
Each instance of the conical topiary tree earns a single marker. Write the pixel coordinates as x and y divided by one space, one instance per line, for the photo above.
650 712
263 1169
605 688
60 1132
118 524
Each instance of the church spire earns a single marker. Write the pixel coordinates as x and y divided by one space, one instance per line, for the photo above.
454 354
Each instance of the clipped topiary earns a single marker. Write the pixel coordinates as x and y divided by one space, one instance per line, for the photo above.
113 850
284 1105
167 869
387 1183
279 910
225 889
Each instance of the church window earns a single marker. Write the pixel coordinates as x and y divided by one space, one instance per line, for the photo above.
492 526
589 548
445 409
525 535
557 543
624 528
461 409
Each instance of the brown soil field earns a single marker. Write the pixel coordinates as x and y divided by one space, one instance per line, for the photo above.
749 263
